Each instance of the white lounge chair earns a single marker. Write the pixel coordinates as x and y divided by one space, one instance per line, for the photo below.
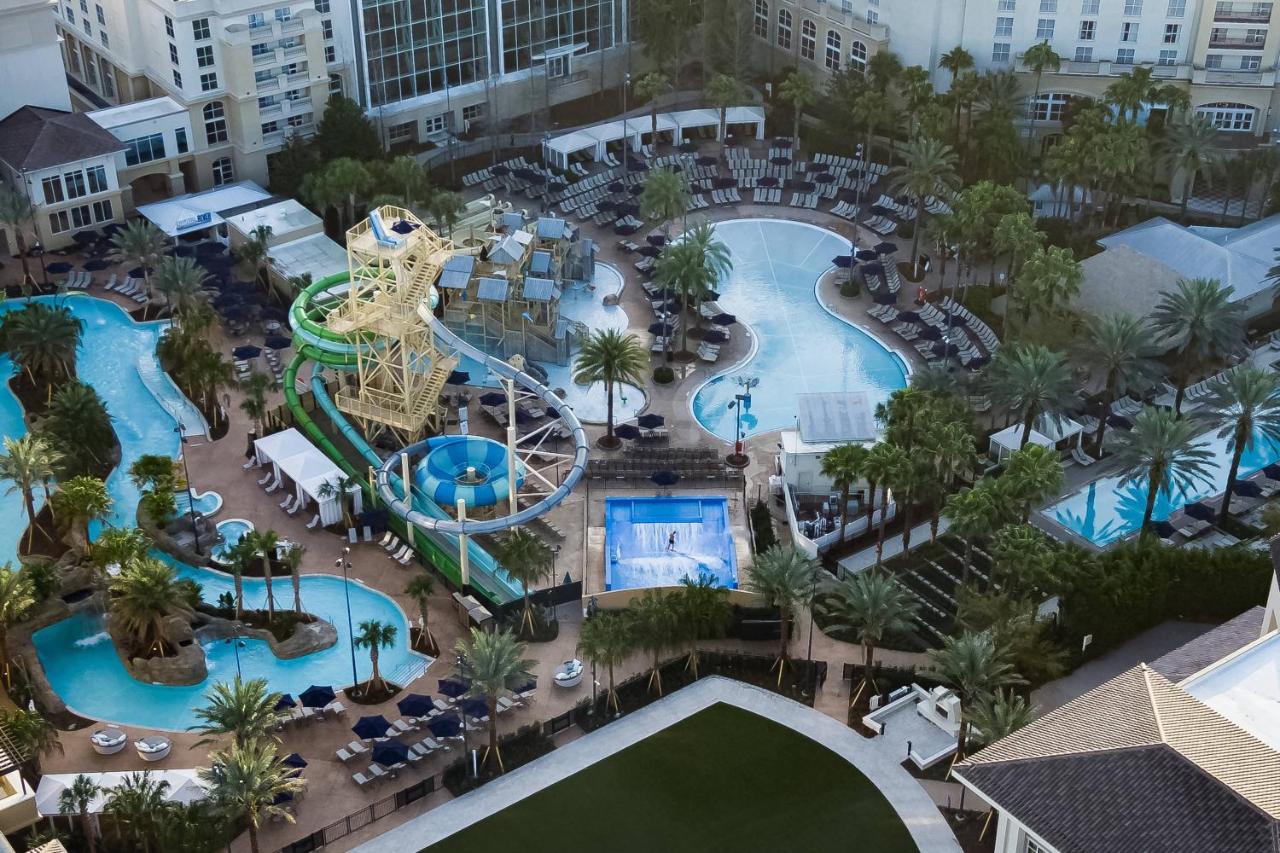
108 741
314 522
392 546
153 748
275 485
404 561
360 779
266 479
399 555
288 501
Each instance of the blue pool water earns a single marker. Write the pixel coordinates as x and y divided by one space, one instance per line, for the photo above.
637 535
85 671
206 503
232 531
800 348
1105 511
12 425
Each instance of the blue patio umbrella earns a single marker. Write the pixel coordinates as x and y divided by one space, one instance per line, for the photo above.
724 319
493 398
1248 489
1272 471
96 264
724 183
715 337
112 229
500 170
404 226
86 236
447 725
880 210
617 187
1200 511
522 173
58 267
293 759
884 297
609 204
664 478
767 181
316 696
886 248
286 701
780 161
1164 529
389 753
843 261
628 208
705 160
942 349
416 705
458 377
627 431
866 255
372 726
278 342
137 272
452 687
660 329
824 178
475 708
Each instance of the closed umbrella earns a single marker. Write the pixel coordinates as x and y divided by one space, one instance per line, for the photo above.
475 708
664 478
710 295
929 333
205 250
650 251
278 342
660 329
447 725
492 399
805 186
843 261
724 183
389 753
452 687
627 431
780 161
656 238
293 759
715 337
866 255
724 319
650 421
372 726
886 248
706 161
1200 511
767 181
824 178
316 696
884 297
136 272
415 705
617 187
500 170
688 147
96 264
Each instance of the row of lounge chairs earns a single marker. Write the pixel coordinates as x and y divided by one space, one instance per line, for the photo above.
901 209
396 550
807 201
845 210
882 225
728 196
986 336
767 195
130 288
80 280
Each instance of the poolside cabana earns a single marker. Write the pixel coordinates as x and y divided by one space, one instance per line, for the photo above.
1064 432
310 473
202 211
184 787
594 140
1008 440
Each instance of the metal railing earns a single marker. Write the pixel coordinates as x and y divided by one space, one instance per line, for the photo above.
358 820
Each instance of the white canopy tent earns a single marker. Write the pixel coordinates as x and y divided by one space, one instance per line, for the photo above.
184 787
596 138
197 211
1008 440
308 470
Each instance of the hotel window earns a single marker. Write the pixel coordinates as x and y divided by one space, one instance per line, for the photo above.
1128 31
1000 52
215 123
473 112
1213 60
208 82
71 15
73 57
81 217
1171 33
322 6
1044 29
102 18
257 19
177 79
401 132
1033 847
269 127
435 124
102 211
873 17
1132 8
173 53
90 68
299 120
1088 30
59 222
1177 9
88 27
168 23
326 29
832 59
74 182
97 177
180 137
330 54
1004 28
200 29
858 57
261 77
1049 106
760 23
808 39
144 149
1048 7
335 84
261 49
52 189
1255 38
283 13
1006 5
1124 56
102 37
223 171
204 56
1084 54
1089 7
784 29
1250 63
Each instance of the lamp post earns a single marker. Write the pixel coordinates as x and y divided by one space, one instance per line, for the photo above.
37 249
862 175
236 643
741 402
813 671
181 430
626 134
343 563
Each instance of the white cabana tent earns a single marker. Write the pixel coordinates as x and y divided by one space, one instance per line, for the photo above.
197 211
1007 441
596 138
184 787
1062 431
308 470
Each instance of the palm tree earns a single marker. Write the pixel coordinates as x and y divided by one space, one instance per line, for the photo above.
253 252
929 170
1190 148
997 715
76 799
874 109
419 589
527 559
119 545
17 597
843 466
702 611
408 177
724 91
649 88
972 665
1039 57
144 595
955 61
141 243
79 426
28 462
492 661
653 627
1031 474
182 281
1120 347
264 543
250 781
1244 407
1165 450
254 403
1129 91
952 454
691 267
799 91
138 803
43 339
375 636
1030 380
665 196
445 208
883 464
785 578
347 179
973 513
1050 276
78 502
237 560
611 357
18 217
32 734
246 710
1198 319
293 559
606 640
871 606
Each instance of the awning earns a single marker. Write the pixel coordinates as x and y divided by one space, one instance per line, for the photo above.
312 473
184 787
1007 440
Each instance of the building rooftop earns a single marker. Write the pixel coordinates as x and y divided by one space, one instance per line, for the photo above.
283 218
1244 687
314 255
197 211
836 417
1211 646
34 138
127 114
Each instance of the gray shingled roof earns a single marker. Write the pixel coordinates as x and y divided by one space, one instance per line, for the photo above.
37 138
1211 646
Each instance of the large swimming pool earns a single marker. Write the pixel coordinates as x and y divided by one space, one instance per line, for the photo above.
660 541
1105 511
799 346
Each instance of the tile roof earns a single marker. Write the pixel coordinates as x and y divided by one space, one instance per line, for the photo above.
1212 646
37 138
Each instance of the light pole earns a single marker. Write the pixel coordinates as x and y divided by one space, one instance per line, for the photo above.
343 563
466 748
813 670
741 402
181 430
862 176
626 134
236 643
37 249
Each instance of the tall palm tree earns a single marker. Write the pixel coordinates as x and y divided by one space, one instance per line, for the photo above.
375 636
293 559
347 179
1030 380
1129 91
137 803
1122 349
997 715
1165 450
18 217
1201 322
611 357
951 452
929 170
120 545
606 640
702 611
1031 474
492 661
973 513
654 627
1244 406
139 242
870 606
253 252
724 91
445 208
254 403
409 179
872 109
844 466
972 665
42 339
799 91
264 543
419 589
1049 277
956 61
237 560
1191 149
80 501
181 281
246 710
785 578
649 88
883 465
250 781
76 799
1038 58
143 596
528 560
17 597
28 462
1016 235
79 426
665 196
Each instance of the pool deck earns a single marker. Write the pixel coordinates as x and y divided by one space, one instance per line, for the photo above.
872 758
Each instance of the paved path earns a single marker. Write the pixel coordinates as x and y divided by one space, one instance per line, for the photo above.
916 808
892 547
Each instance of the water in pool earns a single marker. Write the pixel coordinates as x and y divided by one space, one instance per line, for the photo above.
659 541
232 531
205 503
800 348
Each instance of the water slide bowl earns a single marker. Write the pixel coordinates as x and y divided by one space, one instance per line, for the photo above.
470 467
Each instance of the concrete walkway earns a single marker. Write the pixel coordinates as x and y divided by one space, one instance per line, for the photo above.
914 806
866 558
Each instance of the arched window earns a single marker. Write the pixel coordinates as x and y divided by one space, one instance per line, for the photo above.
223 171
858 57
215 123
784 29
832 59
808 39
760 24
1229 118
1048 107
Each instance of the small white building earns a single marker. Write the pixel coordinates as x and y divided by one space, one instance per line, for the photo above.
156 162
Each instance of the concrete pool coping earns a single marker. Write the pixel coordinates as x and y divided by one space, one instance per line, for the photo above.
913 806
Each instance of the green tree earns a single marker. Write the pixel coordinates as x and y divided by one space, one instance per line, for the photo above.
78 426
137 804
997 715
254 404
1050 276
293 559
1030 380
288 167
246 710
75 799
344 131
1164 450
143 596
798 91
870 607
445 208
141 243
119 545
253 252
663 28
406 177
1121 348
1243 405
250 781
651 87
1191 149
844 466
606 640
665 196
419 588
338 184
375 636
786 579
1016 235
1039 58
78 502
884 465
1031 474
527 559
237 560
42 340
1199 320
973 514
182 281
18 217
28 462
973 666
957 61
702 611
492 661
950 453
611 357
724 91
929 170
264 543
654 628
17 597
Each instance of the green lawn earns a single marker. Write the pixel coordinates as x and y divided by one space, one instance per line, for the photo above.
723 779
